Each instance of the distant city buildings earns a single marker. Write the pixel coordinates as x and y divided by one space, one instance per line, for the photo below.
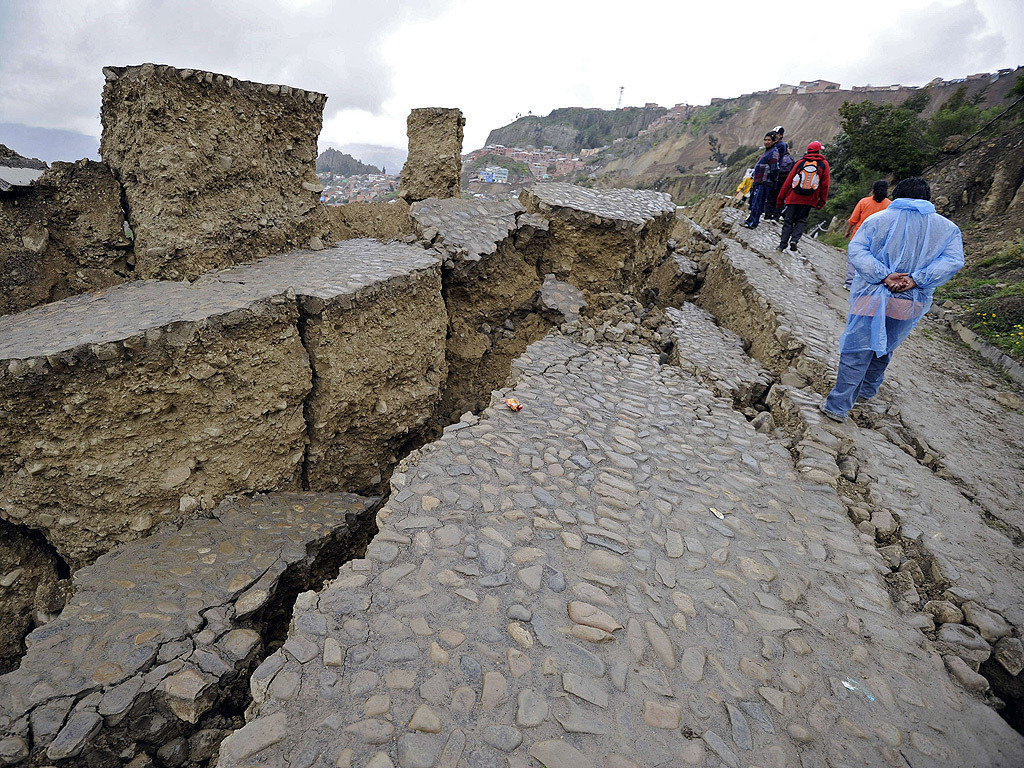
544 163
493 174
361 188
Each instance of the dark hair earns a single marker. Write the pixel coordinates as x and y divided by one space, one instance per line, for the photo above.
914 188
772 135
879 190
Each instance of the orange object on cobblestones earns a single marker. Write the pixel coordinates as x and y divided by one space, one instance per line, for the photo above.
514 404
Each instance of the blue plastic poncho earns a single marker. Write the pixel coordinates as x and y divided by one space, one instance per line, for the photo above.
908 236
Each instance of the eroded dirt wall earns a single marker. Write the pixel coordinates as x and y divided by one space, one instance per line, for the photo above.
379 365
101 443
215 170
62 236
602 238
493 318
381 221
434 165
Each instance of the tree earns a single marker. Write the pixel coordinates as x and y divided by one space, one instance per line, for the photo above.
1017 90
886 137
918 101
739 154
716 150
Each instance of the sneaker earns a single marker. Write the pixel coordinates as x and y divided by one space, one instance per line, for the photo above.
792 246
780 247
830 414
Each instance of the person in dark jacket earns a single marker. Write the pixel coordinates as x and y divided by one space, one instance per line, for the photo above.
766 172
773 212
805 187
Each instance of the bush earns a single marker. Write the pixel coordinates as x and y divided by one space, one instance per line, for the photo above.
742 156
835 239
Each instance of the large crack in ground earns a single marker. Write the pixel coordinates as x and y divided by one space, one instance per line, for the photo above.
34 584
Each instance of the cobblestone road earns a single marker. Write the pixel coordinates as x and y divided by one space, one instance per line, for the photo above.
624 573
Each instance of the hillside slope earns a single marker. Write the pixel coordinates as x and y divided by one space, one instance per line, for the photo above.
575 128
342 164
982 189
672 151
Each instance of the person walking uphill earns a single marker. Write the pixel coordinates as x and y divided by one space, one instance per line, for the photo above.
805 187
772 211
901 255
875 202
766 171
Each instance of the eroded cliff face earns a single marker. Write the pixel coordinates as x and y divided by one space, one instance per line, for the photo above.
216 171
984 182
61 236
669 156
575 128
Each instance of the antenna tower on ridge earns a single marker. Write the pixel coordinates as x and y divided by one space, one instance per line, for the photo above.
621 89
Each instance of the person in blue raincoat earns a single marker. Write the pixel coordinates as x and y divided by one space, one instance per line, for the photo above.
901 255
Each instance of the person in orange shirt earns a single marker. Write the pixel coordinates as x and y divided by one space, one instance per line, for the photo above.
864 208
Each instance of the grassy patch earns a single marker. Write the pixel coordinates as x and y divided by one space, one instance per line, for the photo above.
1000 318
835 239
991 293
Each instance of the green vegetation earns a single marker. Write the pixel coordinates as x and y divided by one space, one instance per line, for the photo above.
885 137
889 141
701 120
959 116
742 156
992 294
835 239
716 154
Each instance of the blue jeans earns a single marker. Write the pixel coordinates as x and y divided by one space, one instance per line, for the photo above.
859 376
757 201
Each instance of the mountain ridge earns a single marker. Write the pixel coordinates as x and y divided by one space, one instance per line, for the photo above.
341 163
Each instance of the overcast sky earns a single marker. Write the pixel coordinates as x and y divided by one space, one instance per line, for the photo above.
376 60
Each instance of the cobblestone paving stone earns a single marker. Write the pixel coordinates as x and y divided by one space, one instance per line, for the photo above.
127 311
561 297
930 487
624 573
715 356
469 228
785 291
165 619
625 205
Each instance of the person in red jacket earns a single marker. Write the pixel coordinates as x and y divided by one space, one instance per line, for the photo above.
805 187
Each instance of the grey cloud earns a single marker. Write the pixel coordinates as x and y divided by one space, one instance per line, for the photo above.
941 40
53 52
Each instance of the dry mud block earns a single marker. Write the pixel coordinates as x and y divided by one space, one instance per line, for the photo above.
602 240
683 267
150 400
715 356
164 630
381 221
434 165
623 574
215 170
491 286
62 236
